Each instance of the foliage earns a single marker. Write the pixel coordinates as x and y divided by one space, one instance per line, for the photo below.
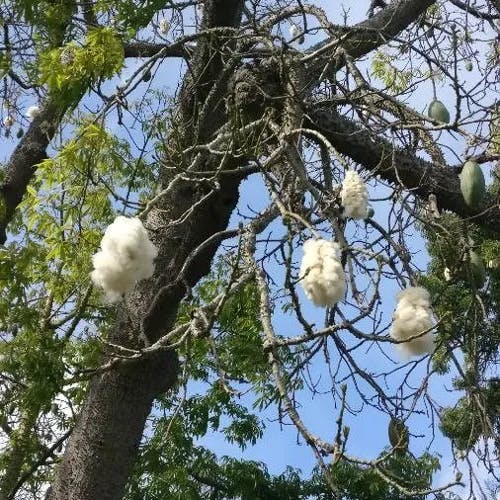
365 483
70 70
385 68
476 331
50 17
129 14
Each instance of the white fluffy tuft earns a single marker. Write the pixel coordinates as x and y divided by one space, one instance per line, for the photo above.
164 27
413 315
354 196
321 272
8 121
32 112
126 257
294 31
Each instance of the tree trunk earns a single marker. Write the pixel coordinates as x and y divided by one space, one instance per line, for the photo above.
17 454
103 447
104 444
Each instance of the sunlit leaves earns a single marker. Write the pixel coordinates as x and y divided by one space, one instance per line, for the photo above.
36 359
5 63
50 17
494 145
129 13
44 269
70 70
72 203
468 326
462 424
241 344
365 483
385 69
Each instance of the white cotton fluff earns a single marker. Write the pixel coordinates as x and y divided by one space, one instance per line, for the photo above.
354 196
32 112
67 56
164 27
447 274
126 257
321 272
413 315
8 121
294 31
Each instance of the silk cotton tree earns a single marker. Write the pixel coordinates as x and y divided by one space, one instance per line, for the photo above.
95 397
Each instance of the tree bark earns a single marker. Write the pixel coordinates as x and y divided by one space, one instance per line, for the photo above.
366 36
30 151
104 444
17 454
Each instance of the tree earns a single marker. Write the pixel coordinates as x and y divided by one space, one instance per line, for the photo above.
296 110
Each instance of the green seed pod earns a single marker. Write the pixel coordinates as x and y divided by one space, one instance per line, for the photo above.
438 112
472 184
146 76
478 270
398 434
20 133
469 66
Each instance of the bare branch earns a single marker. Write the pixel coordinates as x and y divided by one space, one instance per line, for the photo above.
397 166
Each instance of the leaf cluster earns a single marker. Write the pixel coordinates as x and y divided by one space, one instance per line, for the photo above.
69 71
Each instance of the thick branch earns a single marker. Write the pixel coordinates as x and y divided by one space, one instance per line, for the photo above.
146 49
400 167
366 36
495 4
104 444
471 10
30 151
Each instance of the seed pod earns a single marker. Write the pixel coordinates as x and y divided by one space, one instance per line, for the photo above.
478 271
472 184
469 66
398 434
20 133
438 112
146 76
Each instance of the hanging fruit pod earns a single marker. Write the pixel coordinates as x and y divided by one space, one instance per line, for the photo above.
438 112
472 184
478 271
